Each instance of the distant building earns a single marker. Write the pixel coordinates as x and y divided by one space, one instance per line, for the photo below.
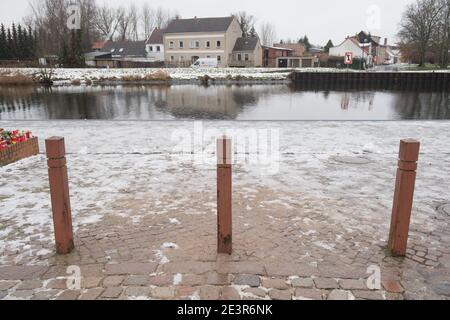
187 40
359 51
373 47
98 45
155 46
298 49
120 54
247 52
271 54
299 57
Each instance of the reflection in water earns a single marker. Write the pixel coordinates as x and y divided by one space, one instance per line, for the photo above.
247 102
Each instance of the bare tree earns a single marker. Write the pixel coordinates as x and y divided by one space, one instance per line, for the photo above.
267 34
163 17
247 22
148 20
123 23
134 22
418 24
106 22
88 18
441 37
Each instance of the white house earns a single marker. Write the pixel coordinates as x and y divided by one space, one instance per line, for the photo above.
360 51
155 46
187 40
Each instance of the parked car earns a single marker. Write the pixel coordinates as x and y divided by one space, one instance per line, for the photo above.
205 63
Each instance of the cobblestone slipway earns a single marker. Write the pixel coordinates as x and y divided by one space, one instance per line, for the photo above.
145 216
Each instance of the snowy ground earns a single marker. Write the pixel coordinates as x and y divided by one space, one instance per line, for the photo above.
177 74
62 76
137 198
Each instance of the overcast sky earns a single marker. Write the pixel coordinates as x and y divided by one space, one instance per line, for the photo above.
319 19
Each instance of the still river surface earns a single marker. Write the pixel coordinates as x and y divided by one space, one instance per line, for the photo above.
221 102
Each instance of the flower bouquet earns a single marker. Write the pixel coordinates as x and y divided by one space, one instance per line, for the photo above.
13 137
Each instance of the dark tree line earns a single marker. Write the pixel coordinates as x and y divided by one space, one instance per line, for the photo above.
72 51
17 43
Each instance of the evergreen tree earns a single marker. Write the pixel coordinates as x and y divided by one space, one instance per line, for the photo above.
20 48
81 63
31 49
64 56
305 42
14 42
36 48
3 42
328 46
253 32
9 44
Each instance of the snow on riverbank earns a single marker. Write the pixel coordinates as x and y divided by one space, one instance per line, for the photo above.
179 74
63 76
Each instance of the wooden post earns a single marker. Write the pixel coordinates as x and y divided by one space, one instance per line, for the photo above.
403 197
59 191
224 197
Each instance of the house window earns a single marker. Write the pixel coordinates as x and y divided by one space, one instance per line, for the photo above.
181 44
121 50
219 44
197 44
171 45
219 58
208 44
181 58
158 48
150 48
246 57
239 57
172 58
112 50
208 57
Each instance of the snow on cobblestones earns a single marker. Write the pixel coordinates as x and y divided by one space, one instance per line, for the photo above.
107 181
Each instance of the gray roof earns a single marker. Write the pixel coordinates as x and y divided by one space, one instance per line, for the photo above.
156 37
199 25
95 54
126 48
246 44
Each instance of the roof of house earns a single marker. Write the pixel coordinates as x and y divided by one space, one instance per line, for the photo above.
199 25
96 54
126 48
156 36
98 45
352 40
278 48
246 44
375 39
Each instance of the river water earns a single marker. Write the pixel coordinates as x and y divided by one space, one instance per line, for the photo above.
221 102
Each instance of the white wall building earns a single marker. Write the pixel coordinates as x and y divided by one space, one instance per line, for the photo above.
155 46
187 40
353 46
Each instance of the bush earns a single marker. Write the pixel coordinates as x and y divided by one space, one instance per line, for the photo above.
159 75
204 80
16 80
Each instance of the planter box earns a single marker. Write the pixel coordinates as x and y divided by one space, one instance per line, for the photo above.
19 151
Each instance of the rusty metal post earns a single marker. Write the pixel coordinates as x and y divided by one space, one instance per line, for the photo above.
403 196
59 191
224 197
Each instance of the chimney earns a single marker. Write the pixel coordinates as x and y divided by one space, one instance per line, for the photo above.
385 41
